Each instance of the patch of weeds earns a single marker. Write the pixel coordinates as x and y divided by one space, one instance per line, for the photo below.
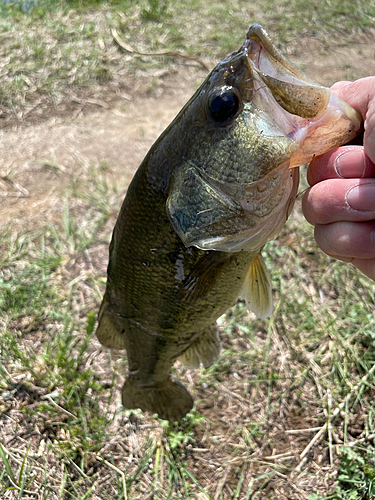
46 342
356 479
20 481
57 52
155 10
179 436
316 17
26 291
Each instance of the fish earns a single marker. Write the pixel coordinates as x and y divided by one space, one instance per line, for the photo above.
217 184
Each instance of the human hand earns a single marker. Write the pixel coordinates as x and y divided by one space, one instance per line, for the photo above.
341 202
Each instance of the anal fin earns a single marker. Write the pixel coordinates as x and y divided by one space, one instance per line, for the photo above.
257 289
205 351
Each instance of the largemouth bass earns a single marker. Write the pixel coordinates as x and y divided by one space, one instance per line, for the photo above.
214 188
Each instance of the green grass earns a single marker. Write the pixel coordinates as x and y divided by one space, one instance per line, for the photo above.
67 47
310 365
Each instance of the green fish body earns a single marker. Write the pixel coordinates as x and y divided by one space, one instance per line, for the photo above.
214 188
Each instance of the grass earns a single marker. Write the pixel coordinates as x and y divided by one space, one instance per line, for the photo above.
310 366
288 409
67 49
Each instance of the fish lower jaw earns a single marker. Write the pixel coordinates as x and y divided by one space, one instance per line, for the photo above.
339 124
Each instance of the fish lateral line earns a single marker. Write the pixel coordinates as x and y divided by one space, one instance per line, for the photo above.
132 321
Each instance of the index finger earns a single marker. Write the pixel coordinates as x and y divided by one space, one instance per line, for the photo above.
346 162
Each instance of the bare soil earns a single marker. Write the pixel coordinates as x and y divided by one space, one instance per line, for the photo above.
47 146
41 156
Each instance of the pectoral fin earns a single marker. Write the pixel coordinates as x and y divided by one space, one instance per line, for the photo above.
257 289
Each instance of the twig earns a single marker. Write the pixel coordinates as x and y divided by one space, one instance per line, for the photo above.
58 406
302 464
280 455
362 440
317 436
221 484
330 427
172 53
75 466
96 102
281 475
298 431
113 467
16 185
151 495
314 440
235 395
336 438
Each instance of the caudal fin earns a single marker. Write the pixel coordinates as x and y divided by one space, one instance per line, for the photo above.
170 400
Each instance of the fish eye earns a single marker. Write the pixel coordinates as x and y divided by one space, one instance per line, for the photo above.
224 105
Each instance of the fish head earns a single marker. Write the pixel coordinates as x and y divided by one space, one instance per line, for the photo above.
254 119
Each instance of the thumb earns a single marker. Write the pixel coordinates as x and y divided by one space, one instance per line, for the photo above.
361 96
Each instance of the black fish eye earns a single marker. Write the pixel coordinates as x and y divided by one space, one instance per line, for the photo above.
223 105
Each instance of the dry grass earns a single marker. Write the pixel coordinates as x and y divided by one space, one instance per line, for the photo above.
57 61
271 415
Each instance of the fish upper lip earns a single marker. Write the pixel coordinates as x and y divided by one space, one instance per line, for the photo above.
268 66
258 43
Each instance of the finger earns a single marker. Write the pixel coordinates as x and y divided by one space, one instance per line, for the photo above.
337 200
361 96
367 266
347 239
336 87
347 162
358 94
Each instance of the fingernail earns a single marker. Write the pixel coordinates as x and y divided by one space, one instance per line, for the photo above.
351 164
362 197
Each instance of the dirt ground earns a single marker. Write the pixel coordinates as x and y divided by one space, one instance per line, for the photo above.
40 159
42 152
48 148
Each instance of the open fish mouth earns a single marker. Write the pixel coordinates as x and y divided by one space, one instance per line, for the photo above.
309 114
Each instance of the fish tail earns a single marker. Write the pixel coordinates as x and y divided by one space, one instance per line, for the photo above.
169 399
